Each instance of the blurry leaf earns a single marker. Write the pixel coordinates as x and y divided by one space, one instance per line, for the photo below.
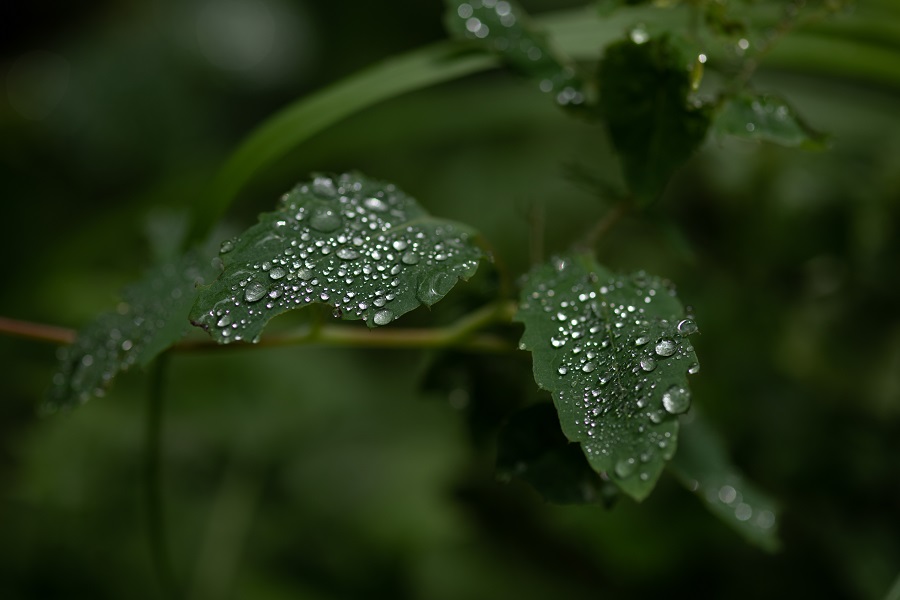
613 351
506 29
361 246
533 448
644 91
152 316
607 7
768 118
702 465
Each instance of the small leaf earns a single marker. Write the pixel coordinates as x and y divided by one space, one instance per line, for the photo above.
151 317
358 245
766 118
702 465
644 98
532 448
613 351
504 28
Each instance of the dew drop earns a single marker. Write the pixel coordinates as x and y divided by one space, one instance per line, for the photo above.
588 367
383 317
410 258
648 364
399 245
693 369
642 340
226 247
325 219
563 370
676 400
277 273
666 347
375 204
347 253
687 327
625 467
254 291
225 321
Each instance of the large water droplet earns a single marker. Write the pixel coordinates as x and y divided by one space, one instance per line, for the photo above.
226 247
225 321
347 253
383 317
625 467
435 287
325 219
254 291
277 273
375 204
666 347
687 327
676 400
410 258
648 364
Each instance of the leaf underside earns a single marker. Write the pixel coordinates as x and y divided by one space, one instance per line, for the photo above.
651 121
358 245
702 465
151 317
613 351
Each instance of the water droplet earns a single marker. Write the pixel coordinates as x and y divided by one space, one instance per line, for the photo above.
666 347
399 245
687 327
347 253
435 287
410 258
563 370
325 219
225 321
254 291
642 340
383 317
639 34
337 313
226 247
277 273
625 467
324 186
693 369
375 204
588 367
676 400
648 364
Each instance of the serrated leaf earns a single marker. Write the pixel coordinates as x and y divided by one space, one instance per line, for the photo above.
614 353
702 465
152 316
359 245
531 447
766 117
651 121
503 27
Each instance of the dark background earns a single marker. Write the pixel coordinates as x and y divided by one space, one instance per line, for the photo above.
327 473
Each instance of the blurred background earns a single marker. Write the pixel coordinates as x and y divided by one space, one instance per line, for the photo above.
329 473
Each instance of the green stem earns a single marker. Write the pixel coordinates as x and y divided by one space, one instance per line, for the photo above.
156 522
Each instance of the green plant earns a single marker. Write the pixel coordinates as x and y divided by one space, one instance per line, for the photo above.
614 349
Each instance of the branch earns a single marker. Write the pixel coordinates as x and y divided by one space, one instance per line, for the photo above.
37 331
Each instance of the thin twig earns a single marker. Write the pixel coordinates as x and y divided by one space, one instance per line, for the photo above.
37 331
604 225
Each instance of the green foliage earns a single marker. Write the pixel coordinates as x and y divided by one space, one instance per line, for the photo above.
652 121
361 246
150 318
613 352
702 466
766 118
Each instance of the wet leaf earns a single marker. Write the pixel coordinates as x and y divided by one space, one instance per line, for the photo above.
152 316
532 448
614 352
767 118
504 28
644 88
702 465
359 245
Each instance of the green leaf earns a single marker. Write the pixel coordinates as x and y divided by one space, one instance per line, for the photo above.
359 245
613 351
651 121
607 7
702 465
504 28
152 316
531 447
766 117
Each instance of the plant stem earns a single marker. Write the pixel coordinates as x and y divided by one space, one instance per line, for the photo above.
37 331
462 334
156 522
604 225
